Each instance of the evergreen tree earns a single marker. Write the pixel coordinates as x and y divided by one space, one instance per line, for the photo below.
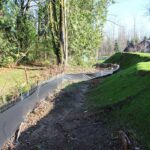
116 47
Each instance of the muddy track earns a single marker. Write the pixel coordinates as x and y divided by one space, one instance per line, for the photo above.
63 122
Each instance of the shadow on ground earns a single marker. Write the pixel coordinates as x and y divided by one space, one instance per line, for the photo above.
64 123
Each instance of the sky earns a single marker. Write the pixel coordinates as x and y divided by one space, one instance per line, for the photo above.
125 13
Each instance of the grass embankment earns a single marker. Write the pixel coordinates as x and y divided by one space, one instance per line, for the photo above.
132 86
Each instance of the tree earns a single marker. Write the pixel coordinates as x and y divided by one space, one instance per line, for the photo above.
55 27
70 29
59 29
116 47
85 33
18 28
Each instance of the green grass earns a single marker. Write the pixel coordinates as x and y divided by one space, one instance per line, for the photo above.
126 60
13 80
131 83
12 77
120 86
136 117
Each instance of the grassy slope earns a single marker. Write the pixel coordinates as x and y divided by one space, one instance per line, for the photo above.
128 59
132 82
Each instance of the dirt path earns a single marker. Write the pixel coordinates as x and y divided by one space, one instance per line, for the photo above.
63 123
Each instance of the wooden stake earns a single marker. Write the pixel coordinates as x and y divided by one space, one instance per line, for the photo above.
26 75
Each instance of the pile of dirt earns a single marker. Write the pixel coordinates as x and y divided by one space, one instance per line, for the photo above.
103 66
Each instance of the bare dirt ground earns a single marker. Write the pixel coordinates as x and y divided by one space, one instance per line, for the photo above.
63 122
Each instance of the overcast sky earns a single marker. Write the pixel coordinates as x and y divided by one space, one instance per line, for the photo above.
124 12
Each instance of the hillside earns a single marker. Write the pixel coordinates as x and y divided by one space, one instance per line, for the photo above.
128 93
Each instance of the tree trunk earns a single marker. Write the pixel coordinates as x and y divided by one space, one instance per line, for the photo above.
62 31
54 31
66 32
58 29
